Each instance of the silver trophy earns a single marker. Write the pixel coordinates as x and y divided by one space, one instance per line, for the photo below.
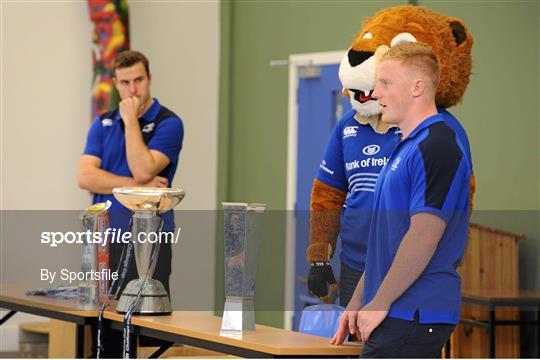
94 257
148 206
242 237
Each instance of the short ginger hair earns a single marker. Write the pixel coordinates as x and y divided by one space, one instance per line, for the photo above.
418 57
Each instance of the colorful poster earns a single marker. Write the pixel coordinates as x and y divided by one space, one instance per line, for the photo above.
111 36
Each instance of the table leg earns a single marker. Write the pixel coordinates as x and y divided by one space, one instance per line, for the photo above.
79 352
156 354
447 347
7 316
538 332
491 332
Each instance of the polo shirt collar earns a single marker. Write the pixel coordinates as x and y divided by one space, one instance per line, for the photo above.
152 111
425 124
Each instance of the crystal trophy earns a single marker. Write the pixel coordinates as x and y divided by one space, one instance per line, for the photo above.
95 257
242 237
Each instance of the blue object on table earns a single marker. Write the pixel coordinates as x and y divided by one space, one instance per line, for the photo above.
321 320
56 291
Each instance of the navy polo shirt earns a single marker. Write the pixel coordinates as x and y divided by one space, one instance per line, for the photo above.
354 156
106 140
429 171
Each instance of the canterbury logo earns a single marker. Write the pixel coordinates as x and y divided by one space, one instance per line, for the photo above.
349 131
106 122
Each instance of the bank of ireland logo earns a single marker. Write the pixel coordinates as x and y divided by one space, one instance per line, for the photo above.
371 149
349 131
395 164
355 164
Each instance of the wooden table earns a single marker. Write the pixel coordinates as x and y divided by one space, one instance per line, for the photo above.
13 297
202 330
524 300
184 327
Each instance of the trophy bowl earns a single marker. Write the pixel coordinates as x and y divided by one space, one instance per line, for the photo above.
149 198
149 206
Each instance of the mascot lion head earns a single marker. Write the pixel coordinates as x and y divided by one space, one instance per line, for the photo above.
448 37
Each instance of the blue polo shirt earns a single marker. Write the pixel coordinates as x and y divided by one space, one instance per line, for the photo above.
451 121
354 156
106 140
429 171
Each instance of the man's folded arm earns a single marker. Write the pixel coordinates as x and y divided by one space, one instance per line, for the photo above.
143 163
98 181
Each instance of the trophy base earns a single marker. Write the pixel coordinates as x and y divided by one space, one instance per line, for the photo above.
238 316
153 301
88 294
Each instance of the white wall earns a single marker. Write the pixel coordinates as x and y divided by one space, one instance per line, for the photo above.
44 114
46 75
181 40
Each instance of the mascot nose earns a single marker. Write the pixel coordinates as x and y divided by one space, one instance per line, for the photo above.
358 57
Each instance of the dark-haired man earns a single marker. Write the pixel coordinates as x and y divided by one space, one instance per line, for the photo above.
137 144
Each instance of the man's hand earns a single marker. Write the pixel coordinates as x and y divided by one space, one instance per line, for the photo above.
129 110
369 317
347 325
319 276
158 182
348 320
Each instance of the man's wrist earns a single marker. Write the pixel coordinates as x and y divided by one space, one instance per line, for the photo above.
381 303
130 122
132 182
353 305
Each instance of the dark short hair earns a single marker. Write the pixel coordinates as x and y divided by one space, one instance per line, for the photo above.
129 58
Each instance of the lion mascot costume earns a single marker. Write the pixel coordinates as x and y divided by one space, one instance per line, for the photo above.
358 148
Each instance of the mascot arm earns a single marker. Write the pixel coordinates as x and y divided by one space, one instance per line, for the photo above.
472 190
326 205
471 193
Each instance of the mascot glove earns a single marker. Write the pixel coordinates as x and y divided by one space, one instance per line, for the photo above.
319 276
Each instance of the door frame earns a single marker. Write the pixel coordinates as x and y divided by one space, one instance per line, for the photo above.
295 62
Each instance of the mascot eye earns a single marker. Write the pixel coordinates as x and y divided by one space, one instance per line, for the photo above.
367 36
402 38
